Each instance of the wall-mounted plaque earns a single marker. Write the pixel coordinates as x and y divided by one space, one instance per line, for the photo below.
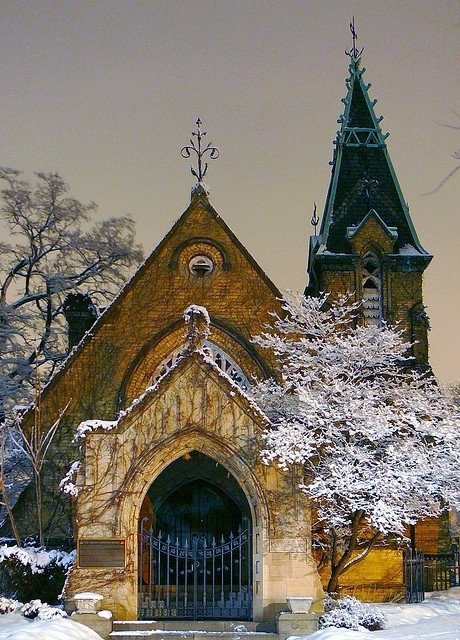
101 553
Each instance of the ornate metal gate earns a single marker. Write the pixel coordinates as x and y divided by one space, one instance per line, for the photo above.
195 580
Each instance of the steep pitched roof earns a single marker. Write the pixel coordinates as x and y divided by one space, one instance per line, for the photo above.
153 301
363 177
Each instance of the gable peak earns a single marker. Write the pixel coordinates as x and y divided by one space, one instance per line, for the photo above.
199 190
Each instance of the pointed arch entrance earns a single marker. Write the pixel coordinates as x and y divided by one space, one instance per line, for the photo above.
195 546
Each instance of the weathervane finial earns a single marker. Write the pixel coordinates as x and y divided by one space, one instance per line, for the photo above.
314 219
186 151
353 53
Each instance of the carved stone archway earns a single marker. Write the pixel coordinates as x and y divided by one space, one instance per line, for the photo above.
195 544
194 408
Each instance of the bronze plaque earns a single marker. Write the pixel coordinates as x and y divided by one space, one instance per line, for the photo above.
101 553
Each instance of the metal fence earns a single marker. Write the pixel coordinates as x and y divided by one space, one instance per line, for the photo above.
414 575
442 571
429 572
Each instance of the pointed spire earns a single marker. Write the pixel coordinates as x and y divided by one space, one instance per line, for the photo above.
362 173
363 177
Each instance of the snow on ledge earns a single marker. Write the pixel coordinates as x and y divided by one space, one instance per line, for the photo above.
408 250
92 425
88 426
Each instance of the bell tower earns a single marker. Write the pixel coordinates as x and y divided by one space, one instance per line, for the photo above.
367 244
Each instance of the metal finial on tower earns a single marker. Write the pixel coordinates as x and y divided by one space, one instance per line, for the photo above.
186 151
314 219
353 53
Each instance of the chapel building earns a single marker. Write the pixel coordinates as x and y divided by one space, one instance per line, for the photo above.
174 513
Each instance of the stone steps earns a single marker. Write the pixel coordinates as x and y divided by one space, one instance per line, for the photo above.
194 630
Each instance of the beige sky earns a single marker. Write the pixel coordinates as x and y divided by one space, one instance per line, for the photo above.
107 92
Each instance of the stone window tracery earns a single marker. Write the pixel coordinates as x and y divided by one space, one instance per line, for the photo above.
216 354
372 290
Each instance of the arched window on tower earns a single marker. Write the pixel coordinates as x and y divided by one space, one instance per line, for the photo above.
372 290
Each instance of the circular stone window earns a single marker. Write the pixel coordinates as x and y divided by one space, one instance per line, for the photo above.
201 266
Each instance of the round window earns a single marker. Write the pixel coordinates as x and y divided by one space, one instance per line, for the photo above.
201 266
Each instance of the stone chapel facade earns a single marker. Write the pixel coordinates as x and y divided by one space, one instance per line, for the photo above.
172 500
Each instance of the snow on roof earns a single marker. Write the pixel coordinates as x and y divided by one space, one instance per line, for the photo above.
88 426
92 425
409 250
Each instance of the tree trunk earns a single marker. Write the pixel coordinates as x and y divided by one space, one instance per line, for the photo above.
341 564
3 489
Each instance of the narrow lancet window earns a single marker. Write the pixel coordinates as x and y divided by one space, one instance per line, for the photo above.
372 290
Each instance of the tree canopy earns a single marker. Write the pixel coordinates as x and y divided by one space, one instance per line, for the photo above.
53 250
377 439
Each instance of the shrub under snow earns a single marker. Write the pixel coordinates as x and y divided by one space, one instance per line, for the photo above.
33 609
41 610
350 613
8 605
27 571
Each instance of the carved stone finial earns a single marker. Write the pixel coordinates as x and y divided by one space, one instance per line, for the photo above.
197 320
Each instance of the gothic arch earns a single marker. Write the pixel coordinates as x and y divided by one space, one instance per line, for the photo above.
157 459
138 375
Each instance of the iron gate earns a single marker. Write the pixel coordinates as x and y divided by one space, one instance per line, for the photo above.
195 580
429 572
414 575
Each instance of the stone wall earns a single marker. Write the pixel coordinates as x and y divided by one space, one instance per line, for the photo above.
194 408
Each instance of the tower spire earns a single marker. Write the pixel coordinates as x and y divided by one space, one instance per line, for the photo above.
367 243
363 176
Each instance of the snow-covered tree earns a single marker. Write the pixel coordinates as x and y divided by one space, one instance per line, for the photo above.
53 250
453 391
378 441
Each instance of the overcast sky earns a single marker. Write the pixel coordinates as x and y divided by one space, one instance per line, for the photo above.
107 92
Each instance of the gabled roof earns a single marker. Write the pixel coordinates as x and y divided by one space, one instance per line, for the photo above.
391 232
363 177
196 358
148 290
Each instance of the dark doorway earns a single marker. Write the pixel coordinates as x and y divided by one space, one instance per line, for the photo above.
195 544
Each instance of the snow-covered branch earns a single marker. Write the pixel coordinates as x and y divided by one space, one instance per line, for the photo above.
376 437
52 250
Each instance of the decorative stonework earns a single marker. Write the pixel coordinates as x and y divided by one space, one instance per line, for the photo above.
87 602
196 407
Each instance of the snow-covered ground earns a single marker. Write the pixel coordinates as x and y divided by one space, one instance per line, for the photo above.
436 618
14 626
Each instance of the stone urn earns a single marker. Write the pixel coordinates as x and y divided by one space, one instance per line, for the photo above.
299 604
87 602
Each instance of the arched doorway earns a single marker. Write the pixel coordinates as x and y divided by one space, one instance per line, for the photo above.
195 552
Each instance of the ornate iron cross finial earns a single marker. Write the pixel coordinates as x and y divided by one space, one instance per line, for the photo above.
353 53
197 148
314 219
